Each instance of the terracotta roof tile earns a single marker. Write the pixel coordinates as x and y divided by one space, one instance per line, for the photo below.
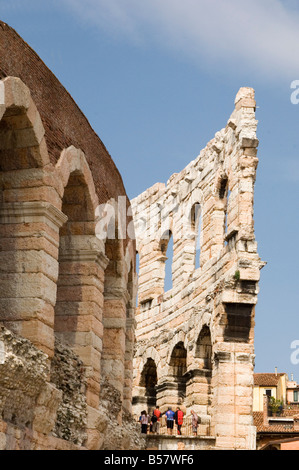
267 379
272 427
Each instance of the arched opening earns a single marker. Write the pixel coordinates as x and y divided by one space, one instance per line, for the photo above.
224 194
27 278
196 222
203 350
16 157
166 246
148 382
19 146
178 369
201 375
75 238
114 315
79 299
223 187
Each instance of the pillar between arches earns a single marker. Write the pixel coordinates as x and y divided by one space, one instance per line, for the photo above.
29 238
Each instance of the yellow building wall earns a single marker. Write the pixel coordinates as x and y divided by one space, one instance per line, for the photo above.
258 394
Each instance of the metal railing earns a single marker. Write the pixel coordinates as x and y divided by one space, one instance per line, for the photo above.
203 429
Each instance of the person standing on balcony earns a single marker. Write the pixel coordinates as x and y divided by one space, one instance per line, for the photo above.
156 424
170 415
179 418
194 422
144 422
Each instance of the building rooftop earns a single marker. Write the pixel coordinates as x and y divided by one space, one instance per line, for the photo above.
267 379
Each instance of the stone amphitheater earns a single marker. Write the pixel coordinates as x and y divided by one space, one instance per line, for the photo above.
79 359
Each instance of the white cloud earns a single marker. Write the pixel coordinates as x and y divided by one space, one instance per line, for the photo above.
257 36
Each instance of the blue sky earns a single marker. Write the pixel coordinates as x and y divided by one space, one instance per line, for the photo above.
157 78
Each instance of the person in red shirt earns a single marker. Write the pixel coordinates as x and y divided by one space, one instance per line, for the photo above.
179 418
156 425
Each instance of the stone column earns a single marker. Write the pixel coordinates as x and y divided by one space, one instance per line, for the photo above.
79 307
29 239
233 396
128 382
169 392
114 340
198 391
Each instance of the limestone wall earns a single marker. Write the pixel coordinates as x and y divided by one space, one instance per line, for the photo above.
67 286
195 342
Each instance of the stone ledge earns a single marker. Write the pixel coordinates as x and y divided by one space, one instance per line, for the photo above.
165 442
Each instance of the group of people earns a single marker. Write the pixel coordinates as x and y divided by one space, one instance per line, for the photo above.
152 422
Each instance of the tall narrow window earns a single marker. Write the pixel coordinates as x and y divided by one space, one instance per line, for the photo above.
137 271
178 368
204 349
224 194
223 188
204 366
196 222
148 382
167 251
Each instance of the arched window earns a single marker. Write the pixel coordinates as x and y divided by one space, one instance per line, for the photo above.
204 349
27 221
149 381
196 222
224 195
178 368
73 284
204 369
166 245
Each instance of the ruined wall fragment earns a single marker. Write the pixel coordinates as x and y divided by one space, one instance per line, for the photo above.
199 335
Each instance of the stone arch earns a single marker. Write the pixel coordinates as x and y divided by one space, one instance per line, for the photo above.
204 322
178 360
199 384
81 261
29 219
151 353
166 246
148 383
196 197
22 142
203 349
73 161
177 369
143 397
179 337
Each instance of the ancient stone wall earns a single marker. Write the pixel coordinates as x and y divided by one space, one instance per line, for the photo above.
66 287
195 341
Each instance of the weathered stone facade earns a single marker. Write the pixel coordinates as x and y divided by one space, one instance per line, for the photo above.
195 341
66 294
